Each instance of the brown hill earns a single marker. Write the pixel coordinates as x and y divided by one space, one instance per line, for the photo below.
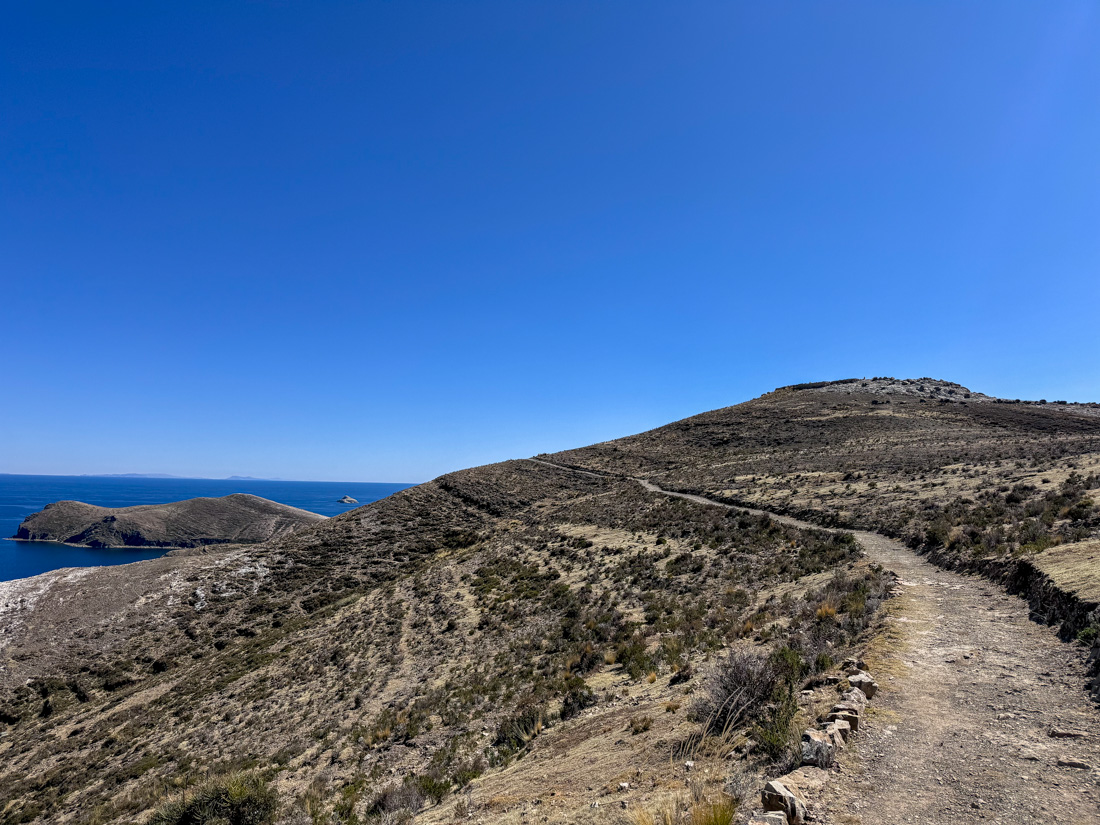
234 519
527 631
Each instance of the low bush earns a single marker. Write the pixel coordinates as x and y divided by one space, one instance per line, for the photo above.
515 732
774 733
238 799
396 798
739 685
578 697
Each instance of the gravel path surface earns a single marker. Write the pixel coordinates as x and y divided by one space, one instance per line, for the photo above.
963 731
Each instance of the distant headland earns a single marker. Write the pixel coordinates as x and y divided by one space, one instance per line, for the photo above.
234 519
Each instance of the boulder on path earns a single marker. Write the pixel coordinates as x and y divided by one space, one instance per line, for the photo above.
818 749
777 797
863 682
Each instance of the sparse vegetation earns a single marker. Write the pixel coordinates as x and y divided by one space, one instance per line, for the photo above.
393 656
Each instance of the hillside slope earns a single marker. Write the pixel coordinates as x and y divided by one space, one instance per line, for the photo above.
978 483
234 519
471 628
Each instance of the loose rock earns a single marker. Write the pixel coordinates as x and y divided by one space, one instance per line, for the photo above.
864 682
856 698
1060 733
839 714
839 731
1067 762
768 818
777 797
818 749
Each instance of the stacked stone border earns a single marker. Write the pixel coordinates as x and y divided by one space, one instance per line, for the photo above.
780 798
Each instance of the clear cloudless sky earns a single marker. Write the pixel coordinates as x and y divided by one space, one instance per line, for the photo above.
384 240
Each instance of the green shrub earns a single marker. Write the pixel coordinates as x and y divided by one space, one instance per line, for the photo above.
579 697
515 732
633 657
788 664
775 734
430 787
237 799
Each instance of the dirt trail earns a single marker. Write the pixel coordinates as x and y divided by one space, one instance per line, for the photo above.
982 714
961 730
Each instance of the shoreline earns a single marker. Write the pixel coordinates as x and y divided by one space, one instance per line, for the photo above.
165 548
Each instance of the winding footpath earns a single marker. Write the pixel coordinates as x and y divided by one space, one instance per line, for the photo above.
982 714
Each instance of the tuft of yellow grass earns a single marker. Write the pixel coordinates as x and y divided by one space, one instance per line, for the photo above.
719 812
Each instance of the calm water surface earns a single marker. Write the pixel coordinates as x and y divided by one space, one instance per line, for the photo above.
22 495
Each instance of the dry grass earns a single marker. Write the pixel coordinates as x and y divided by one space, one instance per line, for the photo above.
1075 568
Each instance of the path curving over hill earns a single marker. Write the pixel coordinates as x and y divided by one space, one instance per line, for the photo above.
982 713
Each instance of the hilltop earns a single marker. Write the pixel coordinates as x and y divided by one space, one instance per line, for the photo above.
234 519
529 637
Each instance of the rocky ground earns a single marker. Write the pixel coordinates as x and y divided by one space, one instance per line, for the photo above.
980 714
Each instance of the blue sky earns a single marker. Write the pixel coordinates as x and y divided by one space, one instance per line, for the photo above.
381 241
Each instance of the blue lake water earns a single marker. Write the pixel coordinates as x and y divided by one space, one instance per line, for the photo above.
22 495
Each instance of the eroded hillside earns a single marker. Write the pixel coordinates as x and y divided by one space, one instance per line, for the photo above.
979 483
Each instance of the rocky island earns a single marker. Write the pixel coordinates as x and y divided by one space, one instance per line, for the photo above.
234 519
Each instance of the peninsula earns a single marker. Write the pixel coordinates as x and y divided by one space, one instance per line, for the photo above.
234 519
